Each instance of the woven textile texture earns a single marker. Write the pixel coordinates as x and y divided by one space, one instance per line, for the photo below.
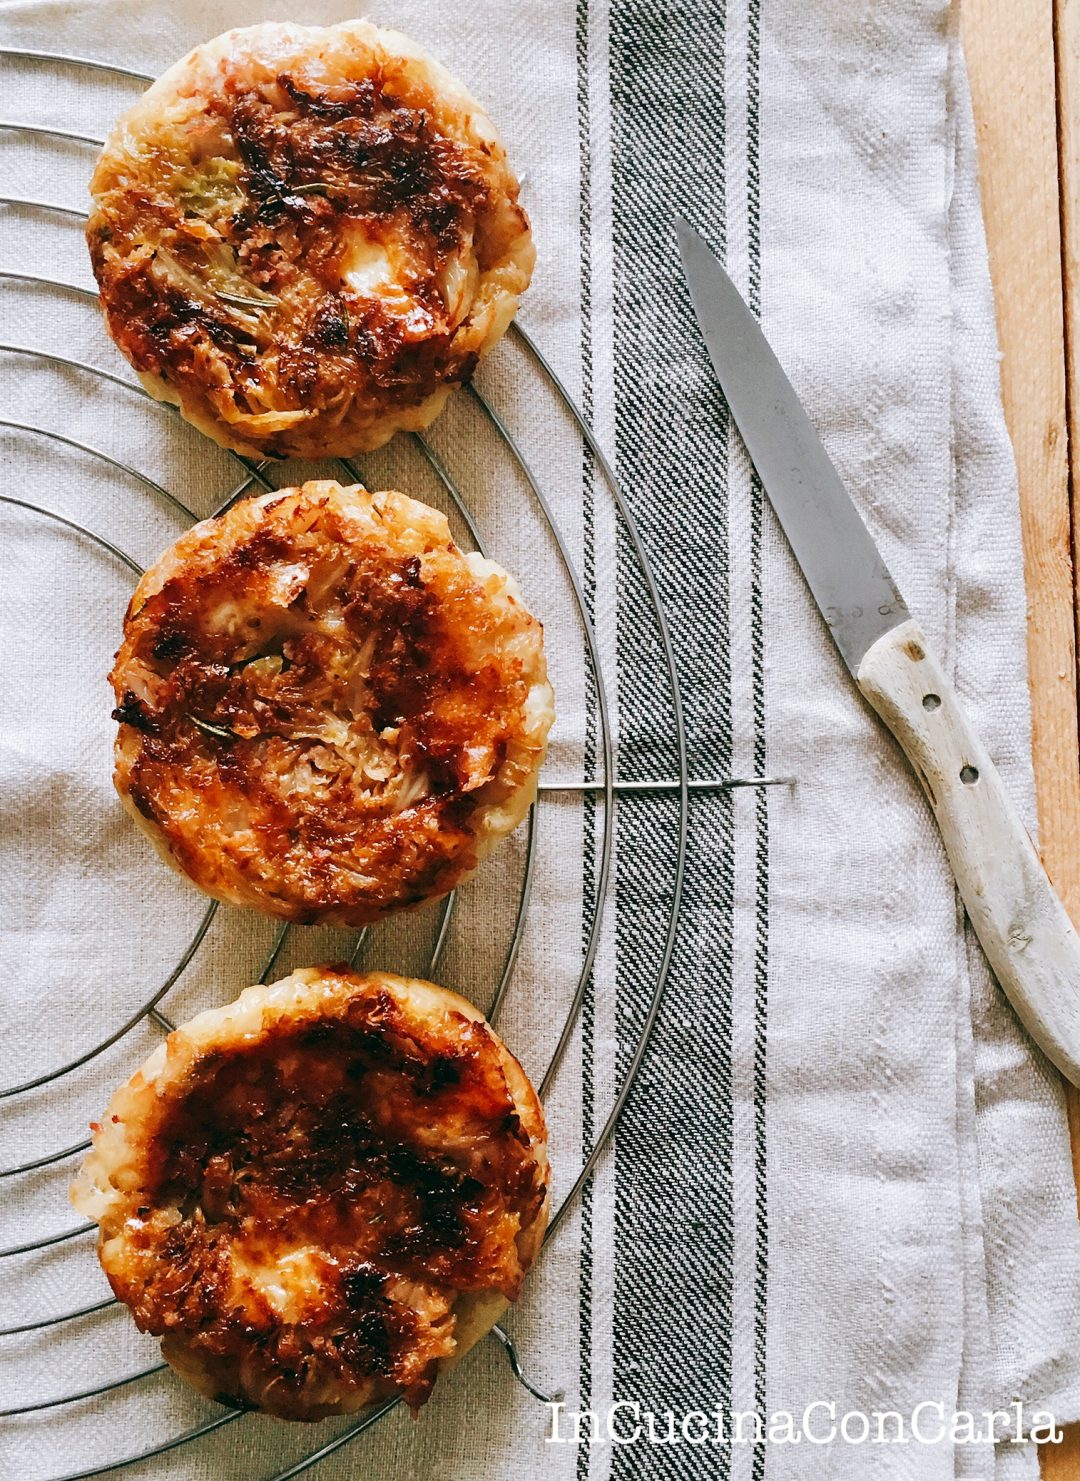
843 1174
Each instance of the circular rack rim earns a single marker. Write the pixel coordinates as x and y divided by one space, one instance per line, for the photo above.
606 787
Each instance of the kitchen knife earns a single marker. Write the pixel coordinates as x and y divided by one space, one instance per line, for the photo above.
1025 932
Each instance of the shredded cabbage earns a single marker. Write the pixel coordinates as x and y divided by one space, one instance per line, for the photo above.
211 189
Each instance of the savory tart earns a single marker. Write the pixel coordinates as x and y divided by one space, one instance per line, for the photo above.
328 711
304 237
323 1194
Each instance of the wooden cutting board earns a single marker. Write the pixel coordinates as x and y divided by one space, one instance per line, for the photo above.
1024 65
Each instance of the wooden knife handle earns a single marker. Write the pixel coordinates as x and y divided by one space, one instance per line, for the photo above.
1027 936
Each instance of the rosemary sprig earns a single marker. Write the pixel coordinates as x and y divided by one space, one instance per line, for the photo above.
219 732
239 300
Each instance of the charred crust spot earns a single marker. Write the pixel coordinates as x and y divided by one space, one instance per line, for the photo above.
361 1286
170 645
330 324
143 804
443 1072
132 711
228 1401
465 366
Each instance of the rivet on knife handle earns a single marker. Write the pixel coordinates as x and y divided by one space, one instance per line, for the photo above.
1027 936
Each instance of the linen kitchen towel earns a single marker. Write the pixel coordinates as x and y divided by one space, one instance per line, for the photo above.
841 1182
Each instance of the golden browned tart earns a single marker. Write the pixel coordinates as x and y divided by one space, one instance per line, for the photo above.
321 1195
328 711
304 237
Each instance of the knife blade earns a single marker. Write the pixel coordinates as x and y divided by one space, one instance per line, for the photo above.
1023 927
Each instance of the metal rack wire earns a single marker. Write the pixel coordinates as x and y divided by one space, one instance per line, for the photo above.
605 787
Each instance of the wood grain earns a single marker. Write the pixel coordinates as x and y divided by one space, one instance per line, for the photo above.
1067 68
1024 67
1067 65
1011 60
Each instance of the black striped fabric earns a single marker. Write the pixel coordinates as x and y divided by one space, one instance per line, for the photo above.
673 1158
674 1154
761 797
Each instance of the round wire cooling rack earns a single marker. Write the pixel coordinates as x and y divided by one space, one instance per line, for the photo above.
602 789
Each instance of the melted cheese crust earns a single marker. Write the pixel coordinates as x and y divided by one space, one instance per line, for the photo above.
326 710
322 1194
305 236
